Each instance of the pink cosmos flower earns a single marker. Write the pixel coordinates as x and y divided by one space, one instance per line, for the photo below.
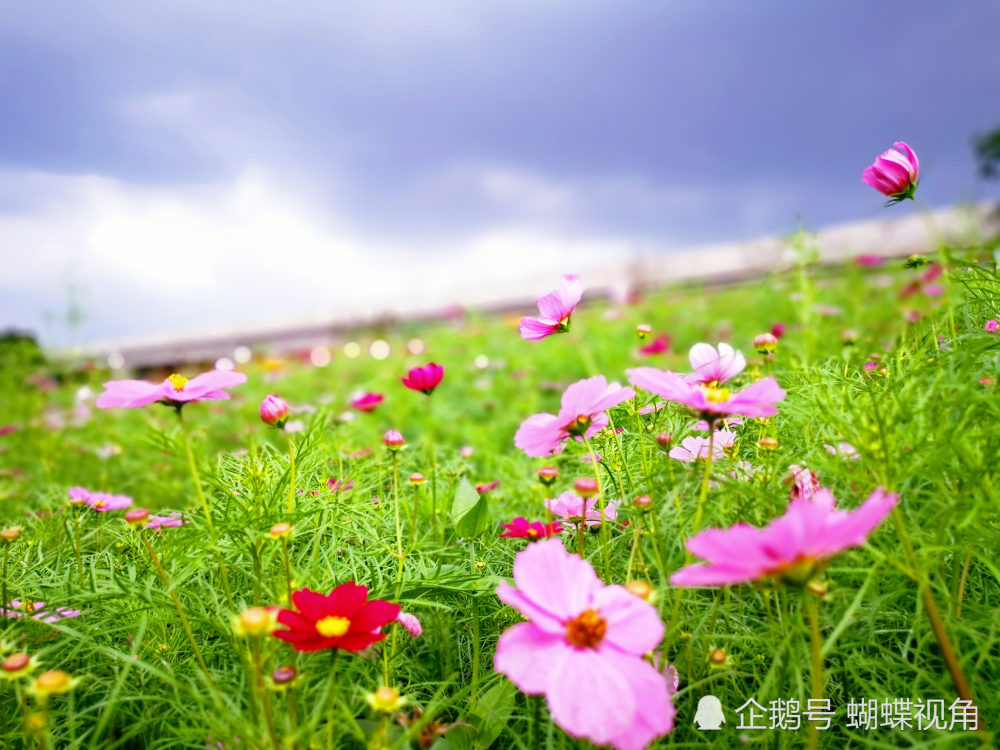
8 429
274 410
581 414
804 482
583 633
556 307
483 488
337 485
575 509
367 401
78 495
522 528
791 546
176 390
17 609
869 260
171 521
778 330
714 366
694 448
895 173
720 424
843 449
756 400
657 346
992 326
103 502
424 379
411 623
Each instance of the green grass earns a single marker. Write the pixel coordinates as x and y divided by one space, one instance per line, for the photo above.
923 423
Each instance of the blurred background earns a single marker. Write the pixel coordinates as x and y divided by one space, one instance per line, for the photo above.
168 169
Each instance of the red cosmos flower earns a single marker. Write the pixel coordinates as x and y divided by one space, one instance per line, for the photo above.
521 527
657 346
424 379
342 619
367 401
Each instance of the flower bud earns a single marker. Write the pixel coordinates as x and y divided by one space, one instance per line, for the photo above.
585 486
16 665
10 534
274 411
765 343
717 656
385 699
53 682
283 675
137 517
416 478
393 440
548 474
643 330
641 589
849 337
768 443
664 439
819 588
281 530
642 502
254 621
466 451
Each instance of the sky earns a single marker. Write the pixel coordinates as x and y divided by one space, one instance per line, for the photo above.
178 167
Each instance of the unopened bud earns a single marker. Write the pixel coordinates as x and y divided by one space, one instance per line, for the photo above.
393 440
643 330
641 589
10 534
817 587
768 443
765 343
664 439
137 517
548 474
416 478
283 675
717 656
281 530
586 486
642 501
274 411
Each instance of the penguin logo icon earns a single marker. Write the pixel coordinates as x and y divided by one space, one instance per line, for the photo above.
709 715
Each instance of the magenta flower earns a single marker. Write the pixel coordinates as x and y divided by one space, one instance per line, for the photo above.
485 487
175 390
8 429
992 326
805 483
103 502
694 448
657 346
583 633
274 411
522 528
17 609
575 509
581 414
555 308
869 260
792 546
411 623
424 379
895 173
756 400
78 495
367 402
714 366
338 485
173 520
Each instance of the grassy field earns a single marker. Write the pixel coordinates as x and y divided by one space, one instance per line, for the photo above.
910 382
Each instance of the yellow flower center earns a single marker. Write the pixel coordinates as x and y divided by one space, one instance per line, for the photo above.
332 626
714 394
386 698
586 629
532 532
178 381
580 425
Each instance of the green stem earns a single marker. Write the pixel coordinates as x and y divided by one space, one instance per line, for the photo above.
605 550
265 697
816 641
703 495
76 543
291 475
288 569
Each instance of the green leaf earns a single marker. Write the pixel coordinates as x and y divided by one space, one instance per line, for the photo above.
465 500
490 714
476 520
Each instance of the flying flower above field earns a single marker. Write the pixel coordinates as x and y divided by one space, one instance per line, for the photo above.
583 634
575 509
555 310
367 402
581 415
710 401
793 546
424 379
895 173
522 528
17 609
176 390
694 448
343 619
713 365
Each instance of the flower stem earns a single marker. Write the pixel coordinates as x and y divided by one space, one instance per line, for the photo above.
76 543
180 610
605 551
816 642
703 495
4 601
331 703
291 475
265 697
288 568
